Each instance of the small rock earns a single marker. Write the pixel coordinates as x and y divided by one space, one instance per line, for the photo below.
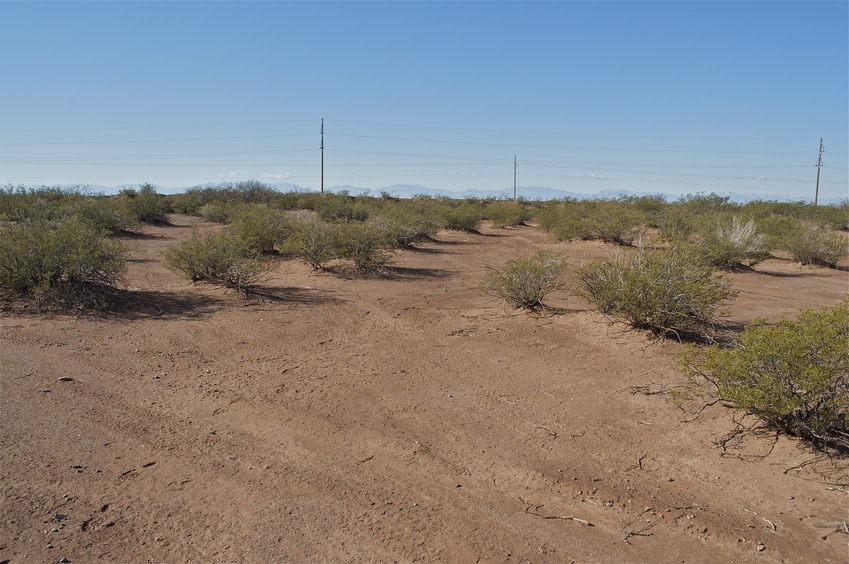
761 548
65 379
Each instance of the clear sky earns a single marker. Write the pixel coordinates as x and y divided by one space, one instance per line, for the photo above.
675 97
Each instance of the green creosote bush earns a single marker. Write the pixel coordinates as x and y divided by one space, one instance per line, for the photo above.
815 245
68 262
506 214
404 228
314 242
220 258
364 244
674 225
525 282
216 211
728 241
565 222
106 213
146 205
793 375
613 222
260 227
461 217
670 292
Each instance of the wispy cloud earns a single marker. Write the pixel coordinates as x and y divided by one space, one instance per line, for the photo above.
598 177
276 176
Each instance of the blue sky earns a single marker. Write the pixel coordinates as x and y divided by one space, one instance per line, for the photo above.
673 97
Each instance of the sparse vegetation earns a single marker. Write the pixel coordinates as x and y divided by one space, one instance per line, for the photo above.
525 282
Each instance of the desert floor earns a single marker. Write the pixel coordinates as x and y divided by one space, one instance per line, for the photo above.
410 418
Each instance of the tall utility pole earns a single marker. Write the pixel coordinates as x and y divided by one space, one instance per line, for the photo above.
322 156
515 164
819 166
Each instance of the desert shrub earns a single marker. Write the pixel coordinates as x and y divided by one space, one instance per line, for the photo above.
105 213
777 229
403 227
702 204
525 282
793 375
314 242
340 207
613 222
259 227
364 244
566 222
188 203
219 258
674 225
671 292
727 241
505 214
217 211
67 263
146 205
462 217
814 245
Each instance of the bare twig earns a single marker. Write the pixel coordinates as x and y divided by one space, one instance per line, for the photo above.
532 509
641 533
550 432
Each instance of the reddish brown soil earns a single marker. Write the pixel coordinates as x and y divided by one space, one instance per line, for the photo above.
405 419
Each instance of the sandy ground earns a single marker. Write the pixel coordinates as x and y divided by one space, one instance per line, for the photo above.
405 419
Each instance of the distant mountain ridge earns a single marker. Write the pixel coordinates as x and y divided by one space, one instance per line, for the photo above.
411 190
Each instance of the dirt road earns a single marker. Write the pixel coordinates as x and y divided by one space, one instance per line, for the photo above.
405 419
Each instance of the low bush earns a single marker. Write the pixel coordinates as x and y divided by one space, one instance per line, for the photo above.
146 205
614 222
217 211
314 242
403 227
793 375
674 225
525 282
462 217
730 241
106 213
670 292
566 222
219 258
259 227
66 263
814 245
364 244
506 214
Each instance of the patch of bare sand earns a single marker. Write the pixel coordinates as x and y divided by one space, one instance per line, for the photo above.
402 419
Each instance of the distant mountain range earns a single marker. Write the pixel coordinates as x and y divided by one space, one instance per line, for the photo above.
411 190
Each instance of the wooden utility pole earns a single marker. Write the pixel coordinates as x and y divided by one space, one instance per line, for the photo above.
515 164
322 156
819 166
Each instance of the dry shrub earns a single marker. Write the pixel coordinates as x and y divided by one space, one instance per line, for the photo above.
525 282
